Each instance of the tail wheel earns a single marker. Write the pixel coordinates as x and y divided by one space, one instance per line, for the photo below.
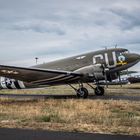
82 93
99 91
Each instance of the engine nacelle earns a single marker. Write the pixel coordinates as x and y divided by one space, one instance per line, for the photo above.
96 71
112 76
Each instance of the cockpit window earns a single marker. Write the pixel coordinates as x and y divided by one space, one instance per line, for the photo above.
122 52
125 52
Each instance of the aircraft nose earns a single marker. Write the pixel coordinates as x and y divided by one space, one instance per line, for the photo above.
133 57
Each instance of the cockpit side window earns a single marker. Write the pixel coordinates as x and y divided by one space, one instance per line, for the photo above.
125 52
122 52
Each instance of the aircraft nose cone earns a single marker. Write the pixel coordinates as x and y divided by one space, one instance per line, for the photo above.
133 57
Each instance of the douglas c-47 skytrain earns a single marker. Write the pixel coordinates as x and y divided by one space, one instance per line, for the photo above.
87 68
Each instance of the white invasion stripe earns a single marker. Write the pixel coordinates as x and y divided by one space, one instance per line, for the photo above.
21 84
13 85
3 84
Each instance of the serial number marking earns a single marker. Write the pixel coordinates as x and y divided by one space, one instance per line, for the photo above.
9 72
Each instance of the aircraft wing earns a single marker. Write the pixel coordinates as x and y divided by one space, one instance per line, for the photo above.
37 75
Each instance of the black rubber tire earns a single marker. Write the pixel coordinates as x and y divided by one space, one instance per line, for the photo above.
82 93
99 91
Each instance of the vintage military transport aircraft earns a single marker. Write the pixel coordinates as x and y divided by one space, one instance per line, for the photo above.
87 68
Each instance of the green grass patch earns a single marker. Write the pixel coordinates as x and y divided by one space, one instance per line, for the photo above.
53 117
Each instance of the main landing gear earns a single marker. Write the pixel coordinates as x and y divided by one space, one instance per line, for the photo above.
82 92
99 91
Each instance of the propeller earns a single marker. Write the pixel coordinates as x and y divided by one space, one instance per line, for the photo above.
120 81
105 70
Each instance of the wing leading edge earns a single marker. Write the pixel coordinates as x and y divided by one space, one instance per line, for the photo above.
37 75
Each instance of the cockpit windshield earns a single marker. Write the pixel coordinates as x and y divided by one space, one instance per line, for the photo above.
121 55
122 52
125 52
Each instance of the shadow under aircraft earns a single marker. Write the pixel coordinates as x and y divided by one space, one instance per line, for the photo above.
92 67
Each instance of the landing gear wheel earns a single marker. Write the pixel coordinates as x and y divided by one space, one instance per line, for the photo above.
99 91
82 93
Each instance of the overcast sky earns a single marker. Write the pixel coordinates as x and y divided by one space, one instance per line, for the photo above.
52 29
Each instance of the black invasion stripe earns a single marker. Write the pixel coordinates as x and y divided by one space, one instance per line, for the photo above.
74 79
64 82
49 81
8 86
17 85
64 79
59 80
1 85
70 79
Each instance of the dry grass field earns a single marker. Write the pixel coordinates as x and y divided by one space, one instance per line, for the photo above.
82 115
68 90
